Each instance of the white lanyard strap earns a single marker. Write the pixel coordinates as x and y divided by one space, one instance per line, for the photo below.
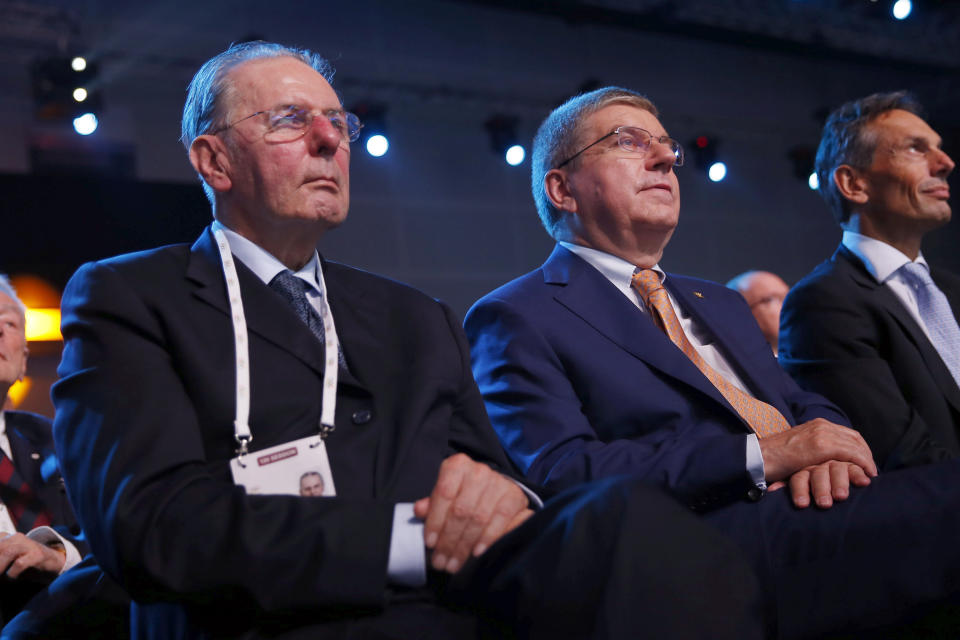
241 424
331 370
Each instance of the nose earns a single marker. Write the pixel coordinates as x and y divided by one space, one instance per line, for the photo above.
326 138
942 164
660 157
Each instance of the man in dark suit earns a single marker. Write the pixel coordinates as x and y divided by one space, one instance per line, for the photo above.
874 328
174 359
32 499
599 364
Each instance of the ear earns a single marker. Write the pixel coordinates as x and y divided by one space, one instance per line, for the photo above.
851 184
557 186
209 158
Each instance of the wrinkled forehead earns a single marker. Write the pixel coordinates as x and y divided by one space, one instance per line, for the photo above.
897 125
608 118
266 83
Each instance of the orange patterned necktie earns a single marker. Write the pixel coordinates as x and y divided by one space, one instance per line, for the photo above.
764 419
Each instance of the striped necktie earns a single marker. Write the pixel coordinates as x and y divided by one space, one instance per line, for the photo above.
764 419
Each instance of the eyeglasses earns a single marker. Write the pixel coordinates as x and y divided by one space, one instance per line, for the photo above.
636 140
291 122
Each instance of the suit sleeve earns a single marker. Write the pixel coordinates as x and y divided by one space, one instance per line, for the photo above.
539 414
828 343
163 518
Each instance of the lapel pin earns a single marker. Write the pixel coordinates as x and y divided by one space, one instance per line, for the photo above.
698 294
35 455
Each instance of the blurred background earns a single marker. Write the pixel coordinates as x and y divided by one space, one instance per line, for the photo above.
451 85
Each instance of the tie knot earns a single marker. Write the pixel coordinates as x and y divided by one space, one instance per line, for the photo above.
646 281
916 273
288 285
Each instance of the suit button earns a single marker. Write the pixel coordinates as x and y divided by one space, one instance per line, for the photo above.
361 416
754 494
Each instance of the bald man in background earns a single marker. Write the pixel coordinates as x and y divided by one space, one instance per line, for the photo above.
764 292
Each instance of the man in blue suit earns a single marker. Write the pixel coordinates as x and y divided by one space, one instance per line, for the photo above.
599 364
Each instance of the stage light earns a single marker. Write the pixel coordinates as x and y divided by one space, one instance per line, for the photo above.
65 88
85 124
901 9
717 171
502 130
377 145
813 181
515 155
373 136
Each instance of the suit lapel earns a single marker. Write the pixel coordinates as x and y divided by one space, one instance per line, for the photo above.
589 295
265 313
727 339
27 457
886 299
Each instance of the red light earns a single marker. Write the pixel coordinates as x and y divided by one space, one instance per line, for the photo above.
702 142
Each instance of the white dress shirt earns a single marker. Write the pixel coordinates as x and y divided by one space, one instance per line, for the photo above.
883 262
43 535
620 273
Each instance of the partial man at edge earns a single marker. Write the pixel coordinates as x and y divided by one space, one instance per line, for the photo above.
427 532
601 364
874 328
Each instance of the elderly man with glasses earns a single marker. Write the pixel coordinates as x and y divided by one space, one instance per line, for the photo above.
600 364
199 382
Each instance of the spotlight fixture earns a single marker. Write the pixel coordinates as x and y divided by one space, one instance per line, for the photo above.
901 9
373 136
65 88
502 130
704 149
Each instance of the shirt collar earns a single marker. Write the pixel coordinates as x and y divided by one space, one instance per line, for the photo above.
614 268
264 264
880 259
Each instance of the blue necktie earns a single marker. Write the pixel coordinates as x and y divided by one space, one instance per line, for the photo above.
293 290
937 316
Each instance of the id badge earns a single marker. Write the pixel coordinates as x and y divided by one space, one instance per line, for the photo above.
299 468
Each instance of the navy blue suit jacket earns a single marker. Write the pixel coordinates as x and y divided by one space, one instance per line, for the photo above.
580 384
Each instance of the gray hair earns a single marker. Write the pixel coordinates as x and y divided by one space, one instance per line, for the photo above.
846 140
7 289
211 88
559 135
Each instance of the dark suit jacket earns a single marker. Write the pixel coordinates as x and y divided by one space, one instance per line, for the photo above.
580 384
144 426
31 443
850 338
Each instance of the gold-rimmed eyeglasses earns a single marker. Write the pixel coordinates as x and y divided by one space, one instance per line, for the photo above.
635 140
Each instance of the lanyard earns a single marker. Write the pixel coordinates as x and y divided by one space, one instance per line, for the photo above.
241 424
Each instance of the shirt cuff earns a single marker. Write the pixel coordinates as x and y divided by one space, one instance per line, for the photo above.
755 462
46 536
407 562
535 501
